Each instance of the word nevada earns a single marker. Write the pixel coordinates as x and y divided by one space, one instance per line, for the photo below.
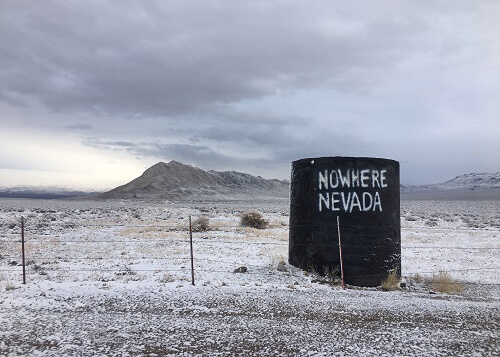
335 199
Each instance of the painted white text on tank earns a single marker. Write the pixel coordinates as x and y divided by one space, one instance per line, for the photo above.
338 196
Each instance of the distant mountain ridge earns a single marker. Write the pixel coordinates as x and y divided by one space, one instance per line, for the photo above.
175 180
39 192
474 181
471 181
472 186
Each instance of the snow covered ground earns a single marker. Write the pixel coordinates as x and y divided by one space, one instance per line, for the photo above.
114 278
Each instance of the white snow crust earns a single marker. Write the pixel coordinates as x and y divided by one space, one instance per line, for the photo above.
113 278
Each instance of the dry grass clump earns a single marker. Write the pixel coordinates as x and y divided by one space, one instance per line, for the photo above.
274 254
166 278
324 275
332 274
253 219
9 286
391 283
150 232
443 282
418 278
200 224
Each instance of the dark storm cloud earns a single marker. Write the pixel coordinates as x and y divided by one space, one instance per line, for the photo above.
256 148
237 85
109 145
200 155
171 58
245 128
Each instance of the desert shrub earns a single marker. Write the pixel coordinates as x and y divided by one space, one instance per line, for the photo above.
126 271
9 286
332 274
166 278
431 223
391 283
39 269
418 278
324 274
253 219
443 282
476 225
200 224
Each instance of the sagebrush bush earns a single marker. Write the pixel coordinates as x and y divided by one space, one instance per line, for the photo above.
431 223
9 286
333 275
391 283
201 224
166 278
443 282
253 219
418 278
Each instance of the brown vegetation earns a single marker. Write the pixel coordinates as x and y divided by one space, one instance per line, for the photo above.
391 283
253 219
443 282
201 224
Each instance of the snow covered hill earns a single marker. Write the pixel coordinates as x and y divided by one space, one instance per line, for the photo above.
464 187
39 192
473 181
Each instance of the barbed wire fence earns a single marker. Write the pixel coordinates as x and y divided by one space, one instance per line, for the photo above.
56 250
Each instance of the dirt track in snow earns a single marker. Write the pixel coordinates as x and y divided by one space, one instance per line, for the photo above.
229 320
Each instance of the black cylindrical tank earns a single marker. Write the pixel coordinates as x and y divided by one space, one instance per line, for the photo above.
364 193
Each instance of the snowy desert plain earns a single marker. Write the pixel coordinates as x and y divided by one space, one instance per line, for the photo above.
113 278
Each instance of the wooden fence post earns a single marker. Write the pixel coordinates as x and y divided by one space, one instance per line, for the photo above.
191 245
22 249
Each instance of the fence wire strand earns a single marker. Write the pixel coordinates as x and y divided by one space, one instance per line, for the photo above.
202 238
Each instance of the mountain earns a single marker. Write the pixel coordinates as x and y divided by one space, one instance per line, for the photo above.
175 180
39 192
482 186
473 181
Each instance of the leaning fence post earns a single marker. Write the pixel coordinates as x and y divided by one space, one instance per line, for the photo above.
191 245
340 252
22 249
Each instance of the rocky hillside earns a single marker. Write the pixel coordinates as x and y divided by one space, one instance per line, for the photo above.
473 186
472 181
175 180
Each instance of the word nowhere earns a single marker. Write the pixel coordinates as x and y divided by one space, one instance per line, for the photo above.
352 178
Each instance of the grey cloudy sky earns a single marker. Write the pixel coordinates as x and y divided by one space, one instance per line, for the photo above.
93 92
